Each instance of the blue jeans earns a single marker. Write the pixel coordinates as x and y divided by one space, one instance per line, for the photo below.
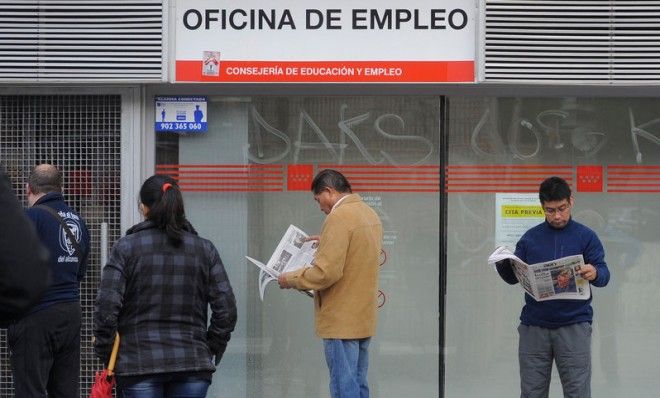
191 388
348 362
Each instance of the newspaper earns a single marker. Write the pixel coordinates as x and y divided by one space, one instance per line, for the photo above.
292 253
550 280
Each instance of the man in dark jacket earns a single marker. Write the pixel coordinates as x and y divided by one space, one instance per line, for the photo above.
557 330
45 343
23 259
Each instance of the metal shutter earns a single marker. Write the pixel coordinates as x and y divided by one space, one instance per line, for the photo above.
81 134
76 40
571 41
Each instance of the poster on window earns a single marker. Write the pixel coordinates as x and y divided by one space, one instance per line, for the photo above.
515 214
181 114
319 42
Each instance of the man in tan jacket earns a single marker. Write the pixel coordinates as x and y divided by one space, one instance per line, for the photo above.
344 278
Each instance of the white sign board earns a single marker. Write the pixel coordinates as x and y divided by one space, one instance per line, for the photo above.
515 213
181 114
340 41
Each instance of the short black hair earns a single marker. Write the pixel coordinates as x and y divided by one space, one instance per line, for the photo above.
329 178
553 189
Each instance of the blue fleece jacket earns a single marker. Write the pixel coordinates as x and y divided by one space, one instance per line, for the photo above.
67 270
545 243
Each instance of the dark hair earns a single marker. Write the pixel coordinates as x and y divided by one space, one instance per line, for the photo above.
45 178
165 206
553 189
329 178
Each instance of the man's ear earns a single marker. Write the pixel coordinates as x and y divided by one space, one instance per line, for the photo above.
333 192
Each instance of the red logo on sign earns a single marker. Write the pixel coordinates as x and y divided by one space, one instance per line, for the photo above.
590 178
299 177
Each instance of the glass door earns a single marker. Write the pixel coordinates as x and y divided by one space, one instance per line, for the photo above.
248 178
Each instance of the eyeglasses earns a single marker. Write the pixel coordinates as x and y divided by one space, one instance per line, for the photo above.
550 210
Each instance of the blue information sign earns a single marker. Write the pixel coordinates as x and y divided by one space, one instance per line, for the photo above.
181 114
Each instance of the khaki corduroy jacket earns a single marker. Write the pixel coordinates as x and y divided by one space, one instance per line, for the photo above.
345 272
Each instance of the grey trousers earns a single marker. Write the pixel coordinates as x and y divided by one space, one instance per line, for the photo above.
569 346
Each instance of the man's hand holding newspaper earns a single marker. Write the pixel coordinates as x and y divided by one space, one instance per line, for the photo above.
564 278
295 250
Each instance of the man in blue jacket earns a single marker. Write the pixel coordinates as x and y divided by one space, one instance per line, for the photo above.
558 330
45 343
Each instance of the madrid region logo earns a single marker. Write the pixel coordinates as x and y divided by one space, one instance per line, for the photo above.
65 242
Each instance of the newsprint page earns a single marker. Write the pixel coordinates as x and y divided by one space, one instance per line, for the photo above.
292 253
550 280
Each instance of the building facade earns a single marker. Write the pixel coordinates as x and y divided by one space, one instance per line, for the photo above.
439 115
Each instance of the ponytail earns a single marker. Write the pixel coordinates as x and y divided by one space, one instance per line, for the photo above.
163 197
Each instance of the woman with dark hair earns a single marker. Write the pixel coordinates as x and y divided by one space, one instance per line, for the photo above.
155 291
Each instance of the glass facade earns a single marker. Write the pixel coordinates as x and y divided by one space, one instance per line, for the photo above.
608 149
433 168
248 178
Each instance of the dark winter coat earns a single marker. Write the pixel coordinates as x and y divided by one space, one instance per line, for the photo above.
24 272
157 296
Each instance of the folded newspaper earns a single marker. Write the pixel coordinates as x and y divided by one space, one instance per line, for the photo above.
293 252
550 280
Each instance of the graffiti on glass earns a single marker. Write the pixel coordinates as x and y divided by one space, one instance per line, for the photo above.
527 137
347 137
